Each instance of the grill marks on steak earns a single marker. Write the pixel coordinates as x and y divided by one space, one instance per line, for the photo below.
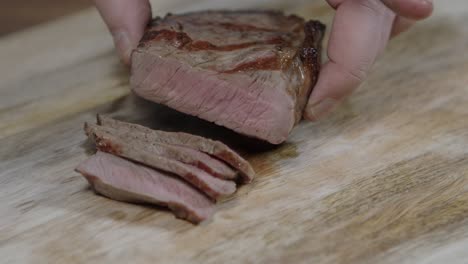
265 63
126 181
208 146
226 31
182 40
109 141
250 71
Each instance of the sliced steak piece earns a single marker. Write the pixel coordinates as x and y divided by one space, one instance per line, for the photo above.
107 142
183 154
122 180
211 147
250 71
196 158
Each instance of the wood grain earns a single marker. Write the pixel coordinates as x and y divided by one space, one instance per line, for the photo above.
384 180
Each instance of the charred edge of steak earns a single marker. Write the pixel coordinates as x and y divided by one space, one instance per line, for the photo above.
265 64
272 12
311 49
234 12
205 45
241 11
102 143
178 39
182 40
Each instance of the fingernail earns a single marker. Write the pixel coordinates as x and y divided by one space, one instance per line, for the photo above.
321 109
123 45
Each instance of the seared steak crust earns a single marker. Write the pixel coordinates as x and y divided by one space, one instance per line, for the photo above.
250 71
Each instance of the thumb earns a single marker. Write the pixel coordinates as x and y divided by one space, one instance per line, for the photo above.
126 21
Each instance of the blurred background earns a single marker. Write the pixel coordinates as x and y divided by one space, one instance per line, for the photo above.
20 14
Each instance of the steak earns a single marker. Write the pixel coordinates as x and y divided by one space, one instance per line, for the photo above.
210 147
146 154
122 180
250 71
183 154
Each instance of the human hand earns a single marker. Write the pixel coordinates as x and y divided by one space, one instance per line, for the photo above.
360 32
126 20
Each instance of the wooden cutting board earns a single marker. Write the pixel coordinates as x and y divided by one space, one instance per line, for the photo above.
384 180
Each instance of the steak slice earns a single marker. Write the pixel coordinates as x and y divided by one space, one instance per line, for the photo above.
107 142
250 71
122 180
208 146
183 154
